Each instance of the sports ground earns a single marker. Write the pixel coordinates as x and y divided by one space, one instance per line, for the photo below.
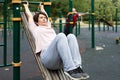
101 62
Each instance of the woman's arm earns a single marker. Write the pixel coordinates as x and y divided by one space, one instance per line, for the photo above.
29 14
30 18
41 7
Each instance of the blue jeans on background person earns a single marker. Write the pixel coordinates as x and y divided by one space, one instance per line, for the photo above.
63 52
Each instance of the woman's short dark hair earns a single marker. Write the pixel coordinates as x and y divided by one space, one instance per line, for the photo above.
35 17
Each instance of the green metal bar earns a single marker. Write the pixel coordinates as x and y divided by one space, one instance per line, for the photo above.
5 65
89 18
111 21
1 44
5 34
47 7
113 28
57 23
60 21
76 30
70 10
99 19
99 29
116 19
31 2
16 41
2 1
93 31
108 28
1 22
78 25
104 17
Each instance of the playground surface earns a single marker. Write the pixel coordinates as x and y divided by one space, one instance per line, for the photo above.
101 62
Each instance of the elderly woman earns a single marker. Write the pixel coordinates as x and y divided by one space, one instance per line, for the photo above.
56 51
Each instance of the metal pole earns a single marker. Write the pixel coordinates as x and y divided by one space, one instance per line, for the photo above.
93 31
116 19
16 39
5 33
79 25
70 10
89 18
47 5
104 18
99 18
76 29
60 21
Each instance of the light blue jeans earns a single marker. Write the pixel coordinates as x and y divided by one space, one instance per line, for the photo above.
63 52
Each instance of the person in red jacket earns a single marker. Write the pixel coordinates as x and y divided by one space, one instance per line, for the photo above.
74 19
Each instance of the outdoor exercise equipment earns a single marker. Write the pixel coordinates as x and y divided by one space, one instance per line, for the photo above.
116 19
93 29
102 6
47 75
107 23
4 34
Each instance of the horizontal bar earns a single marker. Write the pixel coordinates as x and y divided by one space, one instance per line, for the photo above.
24 2
30 2
63 23
1 22
2 1
5 65
1 44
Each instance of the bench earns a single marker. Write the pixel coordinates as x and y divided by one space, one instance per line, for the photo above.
46 74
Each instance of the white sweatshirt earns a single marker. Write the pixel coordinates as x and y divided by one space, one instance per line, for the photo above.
43 35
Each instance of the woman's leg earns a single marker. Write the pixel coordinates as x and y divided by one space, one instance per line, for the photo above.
58 53
73 44
74 48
